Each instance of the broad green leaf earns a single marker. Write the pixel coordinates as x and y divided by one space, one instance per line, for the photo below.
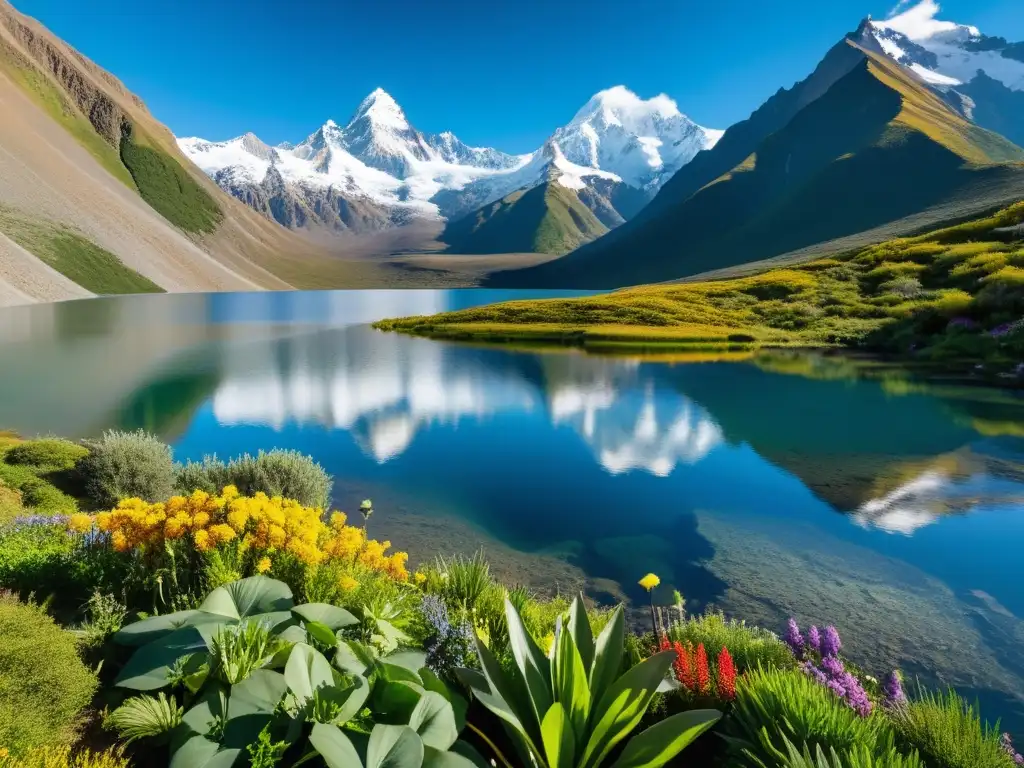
395 700
210 709
321 633
509 691
500 709
329 615
623 705
247 597
200 752
434 720
149 666
306 670
413 661
571 686
559 737
468 751
607 655
261 692
354 657
334 747
394 746
147 630
582 635
436 758
664 740
432 682
349 699
533 665
292 634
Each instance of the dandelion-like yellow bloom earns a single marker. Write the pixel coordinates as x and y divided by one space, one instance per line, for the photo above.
200 520
173 528
419 577
338 520
347 583
263 565
203 541
80 523
119 541
222 533
649 582
277 536
230 493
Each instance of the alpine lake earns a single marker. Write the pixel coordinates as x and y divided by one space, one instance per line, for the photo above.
767 485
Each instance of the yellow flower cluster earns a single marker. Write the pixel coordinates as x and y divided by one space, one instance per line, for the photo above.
257 522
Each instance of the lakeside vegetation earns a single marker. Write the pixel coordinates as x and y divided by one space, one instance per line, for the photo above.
953 296
217 613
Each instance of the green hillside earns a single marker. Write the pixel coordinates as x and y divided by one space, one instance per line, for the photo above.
953 295
546 219
876 147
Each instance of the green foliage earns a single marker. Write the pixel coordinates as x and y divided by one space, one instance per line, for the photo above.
145 717
571 707
36 558
44 686
859 756
46 454
949 733
225 657
168 188
463 580
749 646
10 504
73 255
105 615
775 706
127 465
288 474
64 757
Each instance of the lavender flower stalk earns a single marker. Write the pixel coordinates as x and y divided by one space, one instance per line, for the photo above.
830 642
814 639
892 689
794 639
449 646
1007 744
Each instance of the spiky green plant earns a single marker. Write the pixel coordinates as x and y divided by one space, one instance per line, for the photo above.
465 579
748 645
859 756
775 706
238 650
949 732
145 717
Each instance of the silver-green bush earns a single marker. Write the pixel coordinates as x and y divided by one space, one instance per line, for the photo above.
289 474
124 465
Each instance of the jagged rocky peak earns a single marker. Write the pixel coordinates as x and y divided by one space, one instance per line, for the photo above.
254 146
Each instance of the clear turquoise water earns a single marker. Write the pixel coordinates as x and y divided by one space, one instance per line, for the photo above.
778 486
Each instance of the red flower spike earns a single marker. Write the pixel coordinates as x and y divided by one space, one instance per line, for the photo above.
726 676
703 674
683 667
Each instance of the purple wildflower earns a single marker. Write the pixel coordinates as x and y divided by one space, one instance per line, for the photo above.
1001 330
855 695
837 688
962 322
892 688
450 643
1007 744
832 666
814 638
830 642
809 669
794 639
32 521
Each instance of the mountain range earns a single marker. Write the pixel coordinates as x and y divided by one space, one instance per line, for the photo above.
881 140
379 171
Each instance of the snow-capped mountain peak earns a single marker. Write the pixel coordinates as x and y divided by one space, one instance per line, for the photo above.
946 54
382 110
619 106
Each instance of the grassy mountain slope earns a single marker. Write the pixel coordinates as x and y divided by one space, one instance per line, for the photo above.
954 294
545 219
81 153
878 146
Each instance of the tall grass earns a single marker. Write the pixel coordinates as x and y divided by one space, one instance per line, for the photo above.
749 646
949 732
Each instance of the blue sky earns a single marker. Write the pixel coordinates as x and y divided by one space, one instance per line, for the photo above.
501 73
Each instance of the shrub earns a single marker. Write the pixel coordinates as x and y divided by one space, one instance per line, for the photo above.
10 504
127 465
289 474
949 733
773 706
44 686
36 555
748 645
63 757
47 453
45 499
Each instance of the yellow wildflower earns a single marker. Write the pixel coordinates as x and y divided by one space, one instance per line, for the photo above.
173 528
549 640
263 565
649 582
222 533
419 577
119 541
200 519
203 540
338 520
80 523
230 493
276 535
347 583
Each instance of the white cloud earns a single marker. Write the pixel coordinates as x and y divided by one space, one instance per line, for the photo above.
919 22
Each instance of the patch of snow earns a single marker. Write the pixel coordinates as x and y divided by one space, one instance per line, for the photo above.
933 78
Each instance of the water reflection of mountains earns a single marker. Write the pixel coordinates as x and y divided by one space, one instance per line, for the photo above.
897 461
